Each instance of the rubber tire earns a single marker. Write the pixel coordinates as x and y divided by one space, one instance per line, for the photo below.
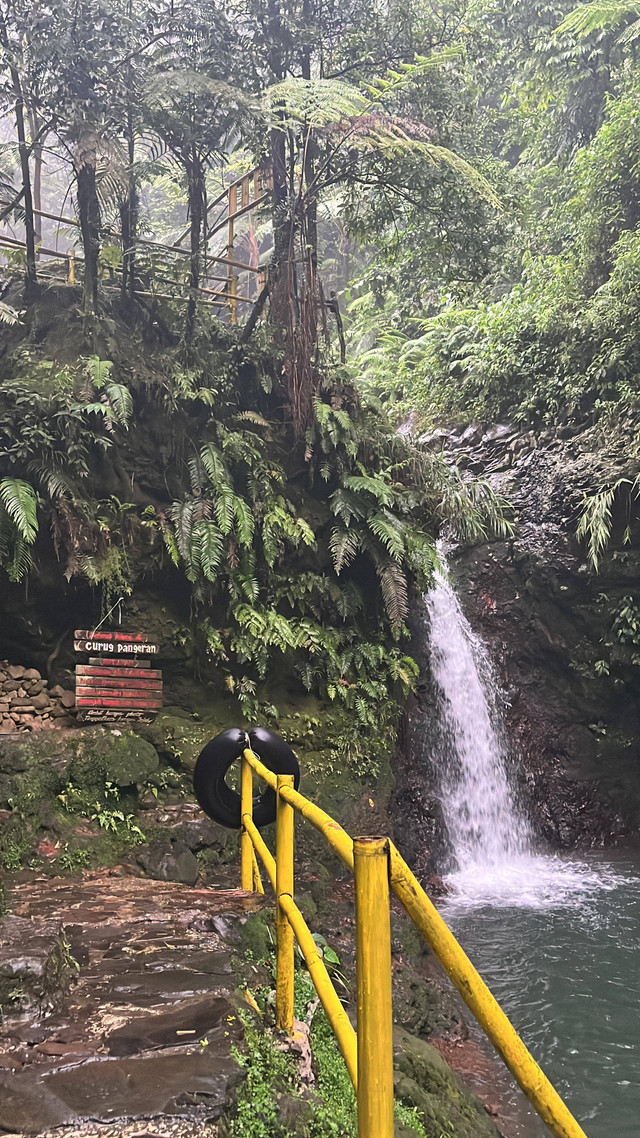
217 798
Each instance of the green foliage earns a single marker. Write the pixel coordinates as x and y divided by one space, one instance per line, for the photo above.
101 804
596 517
269 1072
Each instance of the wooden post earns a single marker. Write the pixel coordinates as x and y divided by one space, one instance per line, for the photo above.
244 192
373 975
284 887
71 267
246 810
231 276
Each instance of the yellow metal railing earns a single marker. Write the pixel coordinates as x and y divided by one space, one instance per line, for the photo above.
377 867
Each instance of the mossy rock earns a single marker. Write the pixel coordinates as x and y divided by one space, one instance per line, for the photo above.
425 1080
35 963
90 755
180 738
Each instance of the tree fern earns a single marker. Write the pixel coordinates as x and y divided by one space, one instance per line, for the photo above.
603 15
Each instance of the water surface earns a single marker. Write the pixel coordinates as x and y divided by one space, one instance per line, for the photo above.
566 970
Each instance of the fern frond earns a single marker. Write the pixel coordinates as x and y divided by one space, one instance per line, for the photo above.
8 315
120 402
209 543
343 545
245 521
598 16
376 486
21 504
391 532
393 585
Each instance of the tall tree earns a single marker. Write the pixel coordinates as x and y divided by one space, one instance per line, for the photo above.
11 56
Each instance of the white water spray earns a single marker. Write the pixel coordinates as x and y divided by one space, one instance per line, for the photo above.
490 835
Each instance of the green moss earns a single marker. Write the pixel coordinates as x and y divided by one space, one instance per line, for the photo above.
256 937
426 1083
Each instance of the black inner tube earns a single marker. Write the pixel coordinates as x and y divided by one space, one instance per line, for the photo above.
214 794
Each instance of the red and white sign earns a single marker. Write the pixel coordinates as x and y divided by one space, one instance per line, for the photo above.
113 684
115 643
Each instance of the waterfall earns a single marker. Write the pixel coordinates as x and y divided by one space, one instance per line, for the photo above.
485 826
490 836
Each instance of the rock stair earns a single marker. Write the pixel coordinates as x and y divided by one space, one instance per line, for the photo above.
145 1030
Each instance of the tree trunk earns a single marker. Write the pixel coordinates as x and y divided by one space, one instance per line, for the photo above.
197 209
89 217
37 148
129 209
279 282
32 279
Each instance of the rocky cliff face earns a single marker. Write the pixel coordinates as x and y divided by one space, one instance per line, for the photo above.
566 640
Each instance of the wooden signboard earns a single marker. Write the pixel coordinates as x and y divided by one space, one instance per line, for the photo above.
116 644
117 684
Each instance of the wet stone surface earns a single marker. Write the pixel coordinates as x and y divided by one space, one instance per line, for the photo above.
146 1029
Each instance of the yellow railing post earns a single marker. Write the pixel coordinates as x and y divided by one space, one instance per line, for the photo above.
71 267
284 887
246 809
373 976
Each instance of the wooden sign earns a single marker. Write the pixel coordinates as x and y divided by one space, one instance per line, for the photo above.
114 685
115 643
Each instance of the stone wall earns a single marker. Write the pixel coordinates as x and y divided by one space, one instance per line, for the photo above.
28 703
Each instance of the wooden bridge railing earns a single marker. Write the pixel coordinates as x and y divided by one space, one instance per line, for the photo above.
238 199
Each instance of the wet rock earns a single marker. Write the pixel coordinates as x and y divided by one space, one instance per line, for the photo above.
202 833
169 861
424 1079
34 962
199 1083
187 1022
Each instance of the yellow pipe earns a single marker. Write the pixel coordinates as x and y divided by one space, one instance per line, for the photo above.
335 835
263 772
266 856
373 973
258 887
285 961
478 998
337 1016
425 916
246 811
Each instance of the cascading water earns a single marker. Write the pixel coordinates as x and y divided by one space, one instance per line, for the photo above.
485 827
491 840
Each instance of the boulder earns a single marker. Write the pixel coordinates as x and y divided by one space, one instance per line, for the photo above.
169 861
425 1080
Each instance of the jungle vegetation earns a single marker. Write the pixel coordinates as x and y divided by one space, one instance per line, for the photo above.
448 231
